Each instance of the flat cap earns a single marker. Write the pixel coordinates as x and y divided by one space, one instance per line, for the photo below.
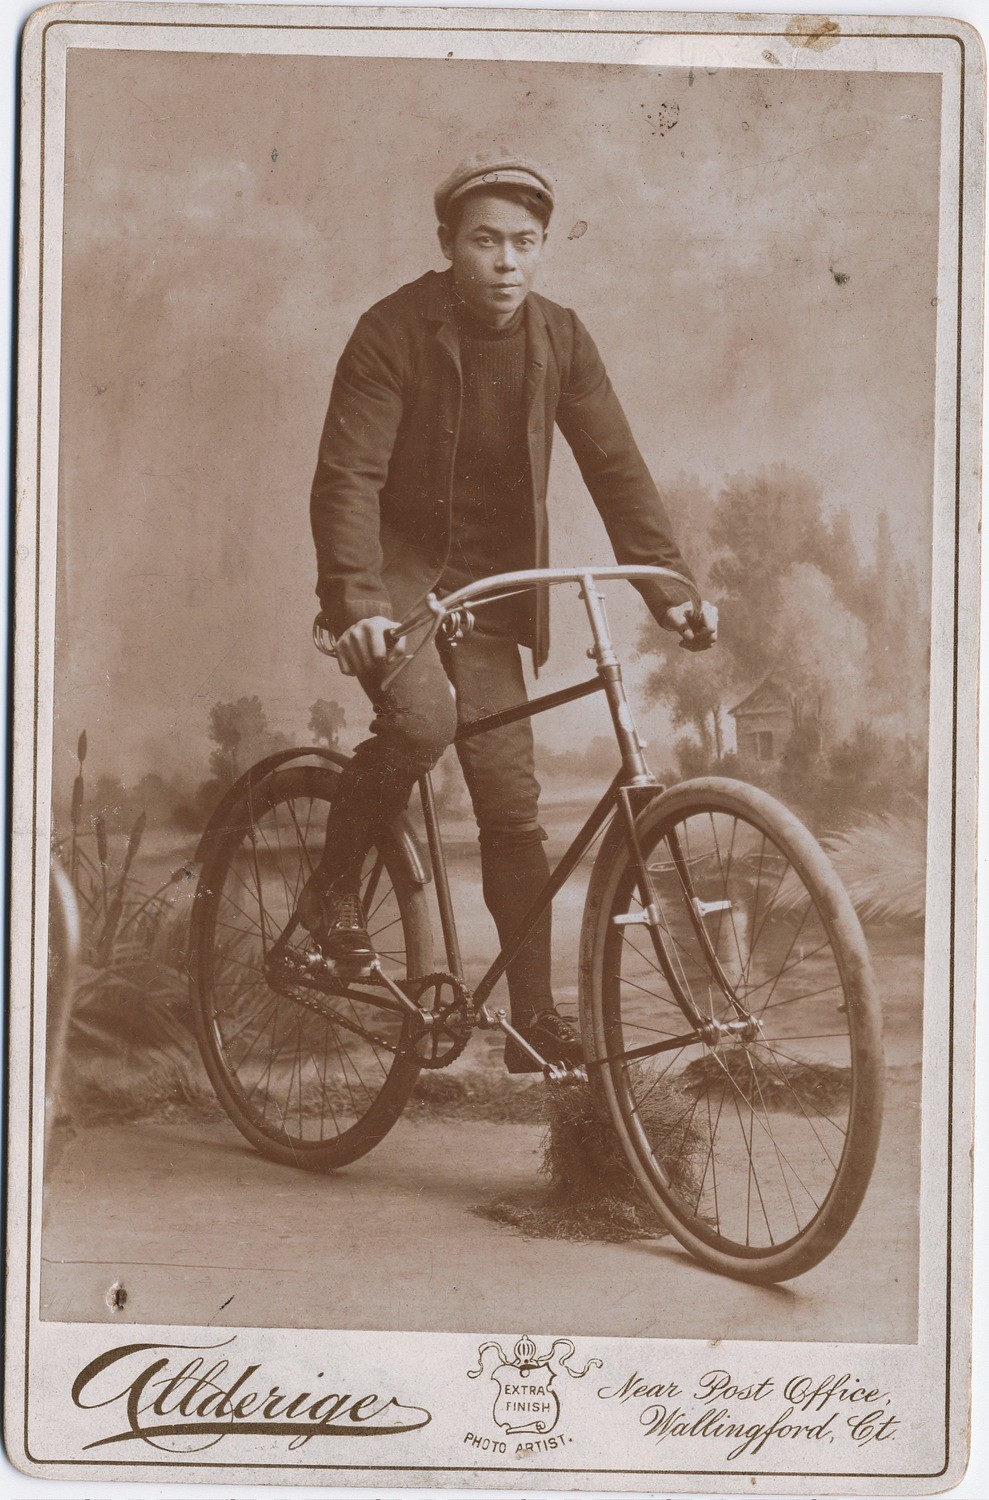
490 169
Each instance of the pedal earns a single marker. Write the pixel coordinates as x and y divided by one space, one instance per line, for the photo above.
349 972
566 1073
315 961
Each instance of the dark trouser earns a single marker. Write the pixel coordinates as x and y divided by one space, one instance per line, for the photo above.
416 718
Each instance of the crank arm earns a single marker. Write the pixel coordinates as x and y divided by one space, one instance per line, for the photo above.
424 1017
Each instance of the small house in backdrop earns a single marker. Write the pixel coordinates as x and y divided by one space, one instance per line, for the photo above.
764 721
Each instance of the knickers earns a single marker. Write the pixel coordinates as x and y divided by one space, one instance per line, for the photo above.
416 718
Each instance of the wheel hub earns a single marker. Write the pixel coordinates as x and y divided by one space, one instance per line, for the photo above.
742 1029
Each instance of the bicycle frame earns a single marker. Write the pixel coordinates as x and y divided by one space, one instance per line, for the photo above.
632 780
452 617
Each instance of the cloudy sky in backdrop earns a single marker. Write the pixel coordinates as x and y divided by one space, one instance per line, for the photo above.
759 278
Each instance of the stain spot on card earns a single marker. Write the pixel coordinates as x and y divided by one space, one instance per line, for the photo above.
580 228
664 120
220 1309
817 33
116 1297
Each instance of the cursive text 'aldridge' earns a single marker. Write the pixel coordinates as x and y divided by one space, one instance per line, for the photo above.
178 1394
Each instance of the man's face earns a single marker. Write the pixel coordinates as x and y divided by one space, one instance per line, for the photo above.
495 254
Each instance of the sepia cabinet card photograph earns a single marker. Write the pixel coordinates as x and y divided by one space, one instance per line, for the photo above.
494 790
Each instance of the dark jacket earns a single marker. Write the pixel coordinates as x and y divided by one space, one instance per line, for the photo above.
386 456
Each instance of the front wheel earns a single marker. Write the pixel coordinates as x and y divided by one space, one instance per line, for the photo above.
312 1072
752 1131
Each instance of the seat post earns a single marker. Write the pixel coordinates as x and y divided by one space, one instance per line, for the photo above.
636 772
441 879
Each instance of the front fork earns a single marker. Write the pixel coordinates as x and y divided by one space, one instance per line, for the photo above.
709 1030
638 784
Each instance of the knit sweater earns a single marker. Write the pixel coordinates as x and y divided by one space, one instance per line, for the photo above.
490 520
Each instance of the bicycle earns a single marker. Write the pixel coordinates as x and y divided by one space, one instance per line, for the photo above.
721 962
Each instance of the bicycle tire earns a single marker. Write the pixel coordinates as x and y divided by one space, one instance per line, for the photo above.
804 1093
340 1094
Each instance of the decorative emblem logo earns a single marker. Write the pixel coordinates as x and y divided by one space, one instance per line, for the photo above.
526 1401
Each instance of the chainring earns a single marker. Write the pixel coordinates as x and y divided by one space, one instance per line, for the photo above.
441 1043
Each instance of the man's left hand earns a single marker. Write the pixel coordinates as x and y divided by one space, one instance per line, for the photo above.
697 629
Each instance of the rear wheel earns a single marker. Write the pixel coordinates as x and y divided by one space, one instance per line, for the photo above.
753 1134
313 1071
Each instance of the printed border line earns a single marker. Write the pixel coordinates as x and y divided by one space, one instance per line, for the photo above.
952 907
456 1469
851 36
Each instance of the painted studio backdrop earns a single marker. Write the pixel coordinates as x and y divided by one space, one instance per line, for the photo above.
755 254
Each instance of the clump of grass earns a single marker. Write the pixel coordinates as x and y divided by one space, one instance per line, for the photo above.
882 863
166 1091
131 988
591 1192
783 1086
129 1024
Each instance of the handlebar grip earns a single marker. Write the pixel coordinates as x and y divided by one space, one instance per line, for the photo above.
700 643
325 640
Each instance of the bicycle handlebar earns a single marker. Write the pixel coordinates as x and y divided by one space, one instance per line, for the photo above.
436 612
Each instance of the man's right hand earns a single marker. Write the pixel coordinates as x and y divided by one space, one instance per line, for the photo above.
364 647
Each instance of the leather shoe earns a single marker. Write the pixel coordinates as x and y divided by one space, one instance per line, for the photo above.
336 920
552 1035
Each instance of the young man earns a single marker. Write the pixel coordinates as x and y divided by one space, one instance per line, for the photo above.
432 471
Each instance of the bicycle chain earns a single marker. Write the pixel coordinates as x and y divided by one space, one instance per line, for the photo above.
304 994
310 1002
453 1023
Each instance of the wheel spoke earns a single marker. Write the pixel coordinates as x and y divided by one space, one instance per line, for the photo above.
755 1144
298 1064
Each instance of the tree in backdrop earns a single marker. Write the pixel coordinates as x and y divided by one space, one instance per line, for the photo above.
698 688
326 720
242 735
799 598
